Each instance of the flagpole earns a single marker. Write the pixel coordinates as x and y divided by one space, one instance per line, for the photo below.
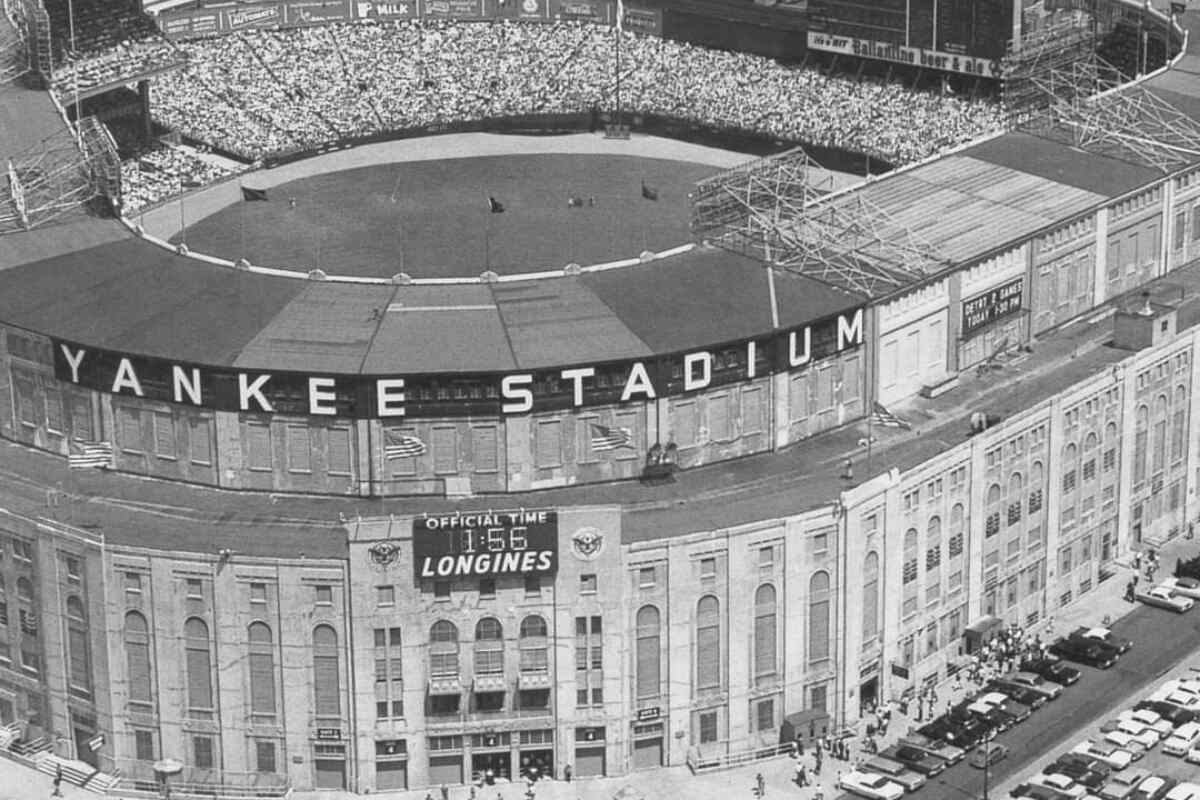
618 27
870 440
182 226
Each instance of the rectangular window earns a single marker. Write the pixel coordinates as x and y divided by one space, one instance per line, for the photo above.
54 411
202 751
258 443
133 582
718 418
143 745
587 584
752 411
337 443
487 588
195 589
708 568
533 586
299 449
81 418
764 714
323 595
200 441
441 590
385 595
708 727
646 577
445 450
131 430
264 756
485 448
258 593
26 413
164 435
548 444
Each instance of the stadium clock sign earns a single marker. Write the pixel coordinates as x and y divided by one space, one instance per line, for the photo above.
448 395
485 543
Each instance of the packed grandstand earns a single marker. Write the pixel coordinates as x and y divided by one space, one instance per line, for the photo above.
268 92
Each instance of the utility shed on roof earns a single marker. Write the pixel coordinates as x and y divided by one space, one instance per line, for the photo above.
326 328
556 321
429 329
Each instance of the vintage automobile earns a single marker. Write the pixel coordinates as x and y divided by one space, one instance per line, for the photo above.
1161 597
1085 651
1103 636
1107 752
1052 669
1187 587
871 785
1034 683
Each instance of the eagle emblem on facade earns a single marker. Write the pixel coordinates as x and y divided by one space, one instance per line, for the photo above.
588 542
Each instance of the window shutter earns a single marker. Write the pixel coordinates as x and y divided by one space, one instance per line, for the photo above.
484 447
54 412
137 654
445 450
764 644
718 418
685 423
752 410
81 418
77 645
708 657
299 448
798 398
818 632
259 443
262 683
200 441
327 695
199 673
549 443
648 669
338 445
131 430
164 435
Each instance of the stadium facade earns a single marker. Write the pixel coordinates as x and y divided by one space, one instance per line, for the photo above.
236 595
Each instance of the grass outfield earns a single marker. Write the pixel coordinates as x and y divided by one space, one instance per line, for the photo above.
431 218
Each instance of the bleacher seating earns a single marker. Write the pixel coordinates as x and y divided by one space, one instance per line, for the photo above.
99 25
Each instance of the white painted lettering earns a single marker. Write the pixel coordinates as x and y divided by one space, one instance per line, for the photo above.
751 359
576 377
126 378
389 397
850 334
321 396
247 390
800 359
515 388
690 381
73 362
182 384
638 381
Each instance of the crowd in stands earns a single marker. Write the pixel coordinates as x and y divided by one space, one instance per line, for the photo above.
161 172
260 93
97 42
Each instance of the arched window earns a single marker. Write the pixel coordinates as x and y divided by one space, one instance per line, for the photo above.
708 643
1109 459
1015 498
958 525
1142 424
910 555
818 616
1090 443
1037 475
533 645
78 648
489 647
327 693
870 602
1069 477
443 650
199 664
991 525
765 636
933 543
649 654
1178 425
262 669
137 658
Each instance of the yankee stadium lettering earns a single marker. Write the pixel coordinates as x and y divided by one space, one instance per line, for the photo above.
486 543
454 395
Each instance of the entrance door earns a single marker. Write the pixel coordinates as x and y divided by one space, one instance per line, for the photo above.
647 753
82 751
542 760
6 711
589 762
394 775
499 763
446 769
868 695
330 774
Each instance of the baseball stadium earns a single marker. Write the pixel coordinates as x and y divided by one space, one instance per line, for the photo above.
400 325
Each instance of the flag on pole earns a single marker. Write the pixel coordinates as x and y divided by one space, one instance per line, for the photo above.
649 192
604 438
250 195
495 206
398 445
881 416
90 455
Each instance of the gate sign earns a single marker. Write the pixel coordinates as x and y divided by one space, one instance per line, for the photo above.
485 543
992 305
96 742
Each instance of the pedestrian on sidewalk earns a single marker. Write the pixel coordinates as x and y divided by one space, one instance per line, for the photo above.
567 773
818 794
801 775
445 792
760 784
57 782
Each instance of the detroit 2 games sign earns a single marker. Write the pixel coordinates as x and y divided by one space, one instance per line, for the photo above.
485 544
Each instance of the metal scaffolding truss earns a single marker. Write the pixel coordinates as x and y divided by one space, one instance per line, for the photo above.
1132 123
44 182
772 210
1055 61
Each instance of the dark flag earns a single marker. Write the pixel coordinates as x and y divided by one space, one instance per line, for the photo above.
250 195
605 438
495 206
649 192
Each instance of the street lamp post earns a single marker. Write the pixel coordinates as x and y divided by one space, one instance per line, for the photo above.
987 761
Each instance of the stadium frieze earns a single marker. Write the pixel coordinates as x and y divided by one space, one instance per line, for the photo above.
455 395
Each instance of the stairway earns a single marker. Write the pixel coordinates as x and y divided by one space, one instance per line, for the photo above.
78 773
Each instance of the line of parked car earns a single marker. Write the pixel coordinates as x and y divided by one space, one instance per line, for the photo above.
1102 768
966 731
1173 594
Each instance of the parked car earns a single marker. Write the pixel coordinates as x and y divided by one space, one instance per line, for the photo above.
1087 778
1181 739
1150 719
915 759
1104 636
985 724
1107 752
894 770
1094 764
1185 700
1127 742
1036 791
1019 693
1193 754
955 734
1059 783
997 718
1018 711
1154 787
1122 784
1084 651
1187 587
1140 731
870 785
1161 597
1183 791
937 747
1035 682
1177 716
987 754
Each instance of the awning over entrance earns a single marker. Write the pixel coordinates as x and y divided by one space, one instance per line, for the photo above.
981 632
